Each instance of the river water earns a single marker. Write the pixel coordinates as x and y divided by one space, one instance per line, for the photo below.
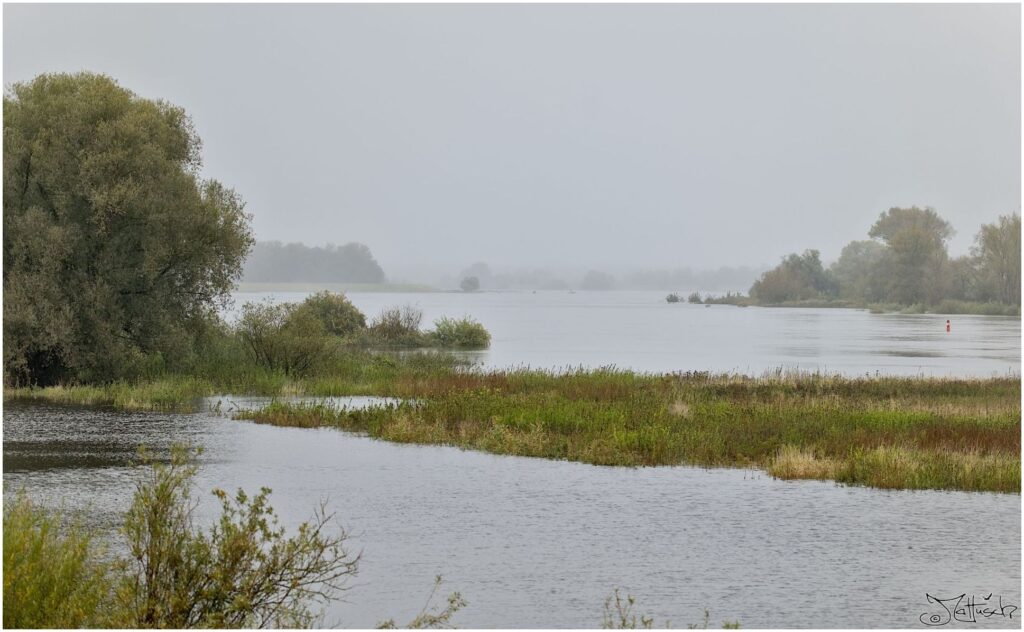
537 543
641 331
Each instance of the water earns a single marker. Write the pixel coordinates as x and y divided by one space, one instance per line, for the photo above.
641 331
536 543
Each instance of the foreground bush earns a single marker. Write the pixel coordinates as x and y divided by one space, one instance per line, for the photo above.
53 577
241 573
463 333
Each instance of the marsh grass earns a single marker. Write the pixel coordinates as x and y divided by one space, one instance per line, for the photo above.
911 433
889 432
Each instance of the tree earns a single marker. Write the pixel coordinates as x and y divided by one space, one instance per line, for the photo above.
856 272
285 337
797 278
482 272
997 250
470 284
272 261
337 314
115 251
595 280
916 257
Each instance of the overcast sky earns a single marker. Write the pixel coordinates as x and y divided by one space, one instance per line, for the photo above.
602 135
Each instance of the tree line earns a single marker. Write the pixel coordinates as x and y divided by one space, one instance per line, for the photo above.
273 261
905 262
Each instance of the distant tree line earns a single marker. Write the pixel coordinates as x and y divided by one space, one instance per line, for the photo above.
905 262
721 278
541 279
273 261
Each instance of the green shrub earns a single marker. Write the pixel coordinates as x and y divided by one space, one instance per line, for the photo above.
53 576
673 298
463 333
335 312
242 573
695 298
397 327
283 337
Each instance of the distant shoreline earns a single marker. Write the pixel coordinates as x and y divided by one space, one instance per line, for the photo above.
269 286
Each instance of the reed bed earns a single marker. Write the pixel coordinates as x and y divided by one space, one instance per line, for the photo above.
888 432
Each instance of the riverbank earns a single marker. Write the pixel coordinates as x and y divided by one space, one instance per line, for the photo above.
884 432
948 307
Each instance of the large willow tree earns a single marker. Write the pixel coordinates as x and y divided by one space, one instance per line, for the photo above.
116 252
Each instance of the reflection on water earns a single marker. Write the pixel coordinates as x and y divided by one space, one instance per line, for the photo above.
639 330
536 543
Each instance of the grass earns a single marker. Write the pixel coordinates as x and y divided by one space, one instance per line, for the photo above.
887 432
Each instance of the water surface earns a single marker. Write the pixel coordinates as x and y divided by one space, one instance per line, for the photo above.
641 331
537 543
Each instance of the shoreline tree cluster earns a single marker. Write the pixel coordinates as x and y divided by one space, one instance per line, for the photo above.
904 265
905 262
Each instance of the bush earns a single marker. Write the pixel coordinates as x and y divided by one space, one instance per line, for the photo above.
695 298
470 284
464 333
53 577
243 573
284 337
672 298
397 327
335 312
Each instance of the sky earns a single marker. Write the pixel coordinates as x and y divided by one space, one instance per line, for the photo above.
606 136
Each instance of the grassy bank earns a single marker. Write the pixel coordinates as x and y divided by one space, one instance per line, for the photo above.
902 433
886 432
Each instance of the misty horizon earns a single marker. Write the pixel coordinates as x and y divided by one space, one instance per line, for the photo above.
572 137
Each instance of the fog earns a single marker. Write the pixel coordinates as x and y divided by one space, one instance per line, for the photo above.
571 137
